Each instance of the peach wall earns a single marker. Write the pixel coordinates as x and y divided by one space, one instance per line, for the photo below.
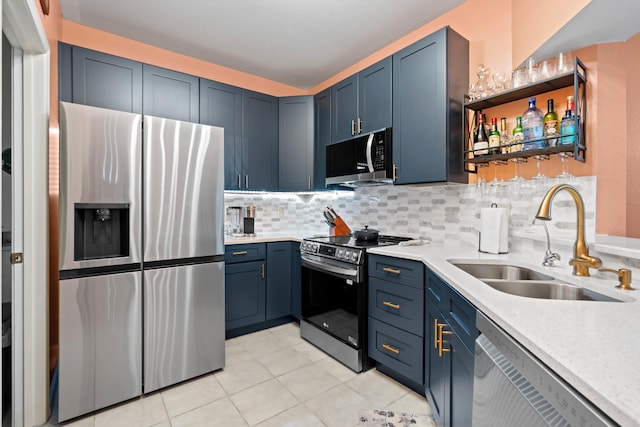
633 136
535 21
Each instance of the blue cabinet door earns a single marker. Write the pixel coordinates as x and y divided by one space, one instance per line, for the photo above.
461 387
100 80
344 109
429 80
260 141
170 94
296 281
244 294
221 105
295 146
436 367
322 127
374 96
278 280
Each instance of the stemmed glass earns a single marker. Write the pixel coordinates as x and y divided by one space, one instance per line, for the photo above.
539 158
495 181
517 179
564 157
481 182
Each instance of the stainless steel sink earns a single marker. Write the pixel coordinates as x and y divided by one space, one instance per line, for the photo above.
524 282
501 271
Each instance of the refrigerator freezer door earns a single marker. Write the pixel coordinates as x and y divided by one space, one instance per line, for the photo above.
184 323
100 342
183 190
100 158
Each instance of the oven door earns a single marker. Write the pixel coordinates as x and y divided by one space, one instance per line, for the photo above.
334 298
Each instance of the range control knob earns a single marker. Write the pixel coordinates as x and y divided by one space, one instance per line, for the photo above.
314 248
354 256
340 253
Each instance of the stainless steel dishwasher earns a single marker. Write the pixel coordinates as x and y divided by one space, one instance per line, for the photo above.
511 387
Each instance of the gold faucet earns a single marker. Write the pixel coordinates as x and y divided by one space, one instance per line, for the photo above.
581 260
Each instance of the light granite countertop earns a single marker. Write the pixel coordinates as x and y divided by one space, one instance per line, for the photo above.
594 346
265 238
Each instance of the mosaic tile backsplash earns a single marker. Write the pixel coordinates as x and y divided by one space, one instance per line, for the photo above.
443 213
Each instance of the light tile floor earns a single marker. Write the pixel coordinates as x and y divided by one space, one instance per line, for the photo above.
272 378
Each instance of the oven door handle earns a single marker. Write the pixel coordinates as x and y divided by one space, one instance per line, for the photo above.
346 273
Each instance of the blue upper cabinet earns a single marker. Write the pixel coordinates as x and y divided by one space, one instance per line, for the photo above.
260 141
100 80
322 138
362 102
295 143
430 78
221 105
170 94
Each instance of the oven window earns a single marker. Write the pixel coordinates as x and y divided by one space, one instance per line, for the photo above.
333 305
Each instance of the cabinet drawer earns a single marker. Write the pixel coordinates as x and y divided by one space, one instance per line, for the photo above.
243 253
437 291
407 272
461 316
398 305
396 349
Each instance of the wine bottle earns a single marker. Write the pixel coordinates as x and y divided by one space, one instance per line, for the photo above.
551 124
494 137
518 136
567 126
480 138
504 136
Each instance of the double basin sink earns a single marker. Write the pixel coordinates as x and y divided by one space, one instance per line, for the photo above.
524 282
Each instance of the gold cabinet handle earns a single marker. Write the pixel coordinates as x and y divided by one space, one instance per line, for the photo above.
246 181
239 253
395 172
239 181
441 340
391 349
391 270
392 305
435 333
353 127
359 125
262 270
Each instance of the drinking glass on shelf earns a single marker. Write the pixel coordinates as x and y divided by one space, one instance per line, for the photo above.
532 70
564 62
547 69
519 78
539 158
564 157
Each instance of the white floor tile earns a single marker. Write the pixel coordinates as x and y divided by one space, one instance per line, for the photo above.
339 407
242 376
283 361
87 421
263 401
235 353
222 412
190 395
336 369
308 382
378 388
412 403
311 351
144 412
298 416
264 344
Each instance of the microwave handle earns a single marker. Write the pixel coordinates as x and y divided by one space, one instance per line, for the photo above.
369 157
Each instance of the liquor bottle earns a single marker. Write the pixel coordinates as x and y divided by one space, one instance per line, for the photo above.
551 124
480 138
494 137
518 136
567 126
504 136
532 125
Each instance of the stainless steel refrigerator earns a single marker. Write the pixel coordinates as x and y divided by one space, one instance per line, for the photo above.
183 251
141 255
100 359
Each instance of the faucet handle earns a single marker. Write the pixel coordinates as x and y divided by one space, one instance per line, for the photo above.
550 257
624 277
586 262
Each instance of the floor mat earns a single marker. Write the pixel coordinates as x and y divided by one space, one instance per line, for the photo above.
379 418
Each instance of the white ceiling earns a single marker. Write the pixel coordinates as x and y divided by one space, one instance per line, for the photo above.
300 43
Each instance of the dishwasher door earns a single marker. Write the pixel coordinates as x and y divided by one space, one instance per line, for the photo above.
511 387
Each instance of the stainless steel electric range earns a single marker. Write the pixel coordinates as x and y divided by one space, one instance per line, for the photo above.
334 295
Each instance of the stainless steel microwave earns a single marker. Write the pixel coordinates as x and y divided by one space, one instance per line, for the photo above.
364 160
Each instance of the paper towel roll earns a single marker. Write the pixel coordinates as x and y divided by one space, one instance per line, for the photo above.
494 230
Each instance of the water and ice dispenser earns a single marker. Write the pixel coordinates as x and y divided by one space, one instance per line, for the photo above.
101 230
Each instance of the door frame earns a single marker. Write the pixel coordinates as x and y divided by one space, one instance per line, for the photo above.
30 234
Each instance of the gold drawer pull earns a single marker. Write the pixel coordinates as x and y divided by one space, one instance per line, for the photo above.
239 253
392 305
391 270
391 349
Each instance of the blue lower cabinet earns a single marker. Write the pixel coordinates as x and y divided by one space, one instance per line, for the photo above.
244 294
296 281
396 349
397 305
279 272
